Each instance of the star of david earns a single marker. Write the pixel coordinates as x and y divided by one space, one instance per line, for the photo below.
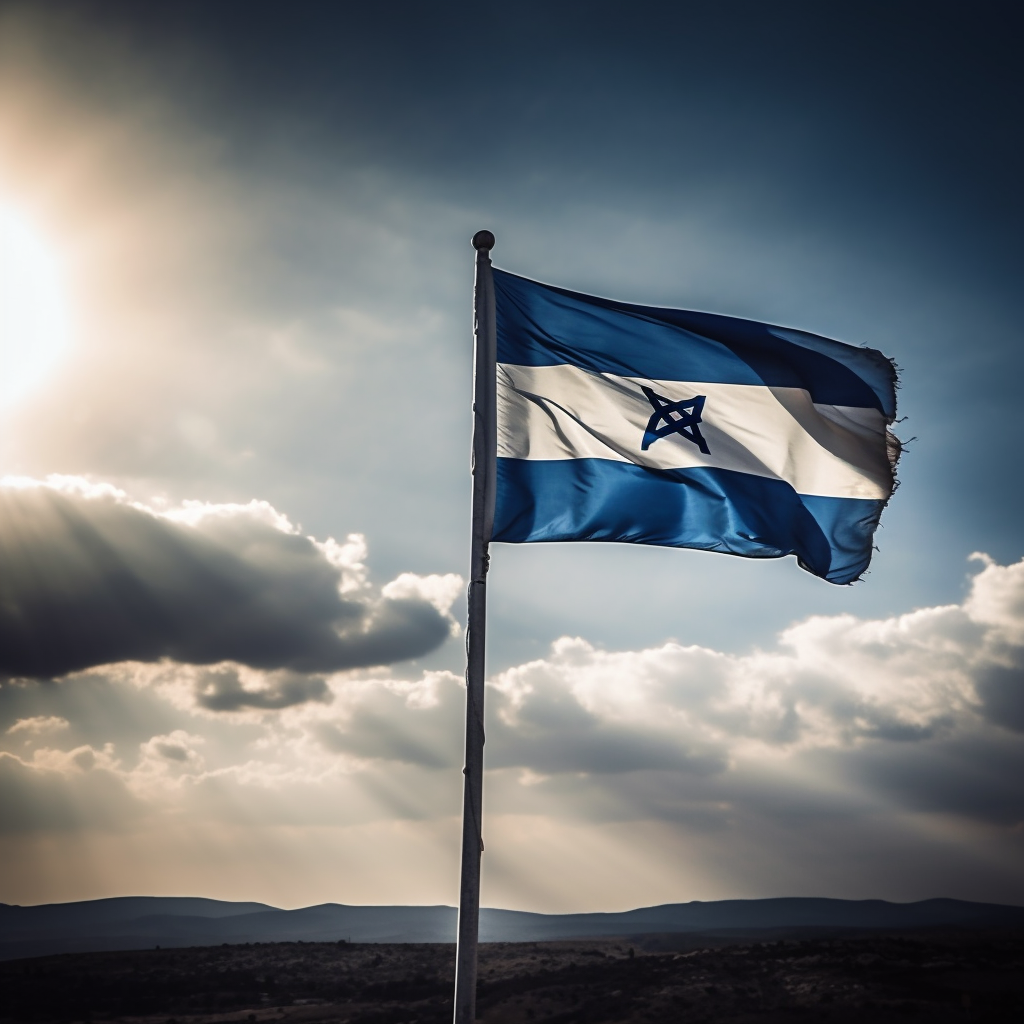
669 417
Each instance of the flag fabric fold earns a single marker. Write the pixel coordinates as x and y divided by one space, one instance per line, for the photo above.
618 422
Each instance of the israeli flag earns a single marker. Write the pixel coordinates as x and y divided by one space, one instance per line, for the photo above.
629 423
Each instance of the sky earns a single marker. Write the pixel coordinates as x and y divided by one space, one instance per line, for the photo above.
235 325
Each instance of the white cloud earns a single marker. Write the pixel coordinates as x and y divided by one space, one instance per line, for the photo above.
350 559
38 724
79 760
997 600
198 513
833 682
440 591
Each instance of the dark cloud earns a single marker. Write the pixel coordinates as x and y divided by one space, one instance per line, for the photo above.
223 690
1001 689
975 776
172 751
90 580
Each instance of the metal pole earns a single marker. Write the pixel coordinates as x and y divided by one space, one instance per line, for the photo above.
484 449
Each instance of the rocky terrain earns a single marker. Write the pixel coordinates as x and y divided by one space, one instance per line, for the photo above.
927 976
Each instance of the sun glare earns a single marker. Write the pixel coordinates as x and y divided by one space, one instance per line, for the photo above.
34 322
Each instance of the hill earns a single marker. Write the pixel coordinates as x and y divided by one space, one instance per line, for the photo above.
144 922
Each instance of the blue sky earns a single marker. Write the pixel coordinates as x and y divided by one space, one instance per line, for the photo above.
263 220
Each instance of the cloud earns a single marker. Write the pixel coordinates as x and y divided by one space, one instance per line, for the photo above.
38 724
175 753
834 682
223 690
437 590
841 711
72 762
835 758
922 710
934 686
91 578
409 722
1001 689
564 714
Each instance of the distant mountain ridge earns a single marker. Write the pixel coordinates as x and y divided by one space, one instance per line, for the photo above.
120 908
139 922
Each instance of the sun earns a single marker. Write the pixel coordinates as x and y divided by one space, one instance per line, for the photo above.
34 320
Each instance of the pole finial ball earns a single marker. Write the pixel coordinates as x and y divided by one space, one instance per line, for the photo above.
483 240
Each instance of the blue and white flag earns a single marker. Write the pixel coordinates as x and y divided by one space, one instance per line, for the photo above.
660 426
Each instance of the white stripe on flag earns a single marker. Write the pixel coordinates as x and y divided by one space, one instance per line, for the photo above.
565 412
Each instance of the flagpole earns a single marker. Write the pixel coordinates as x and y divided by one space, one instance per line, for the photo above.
484 449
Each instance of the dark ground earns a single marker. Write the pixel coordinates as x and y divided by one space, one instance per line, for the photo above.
925 976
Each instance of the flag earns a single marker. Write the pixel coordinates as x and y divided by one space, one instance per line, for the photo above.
618 422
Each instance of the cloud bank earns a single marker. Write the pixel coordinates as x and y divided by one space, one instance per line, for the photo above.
91 578
861 757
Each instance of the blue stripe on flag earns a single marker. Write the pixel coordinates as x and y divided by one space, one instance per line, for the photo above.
539 325
708 509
